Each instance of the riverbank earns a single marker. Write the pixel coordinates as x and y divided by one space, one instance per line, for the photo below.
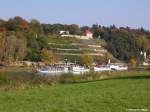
118 94
18 80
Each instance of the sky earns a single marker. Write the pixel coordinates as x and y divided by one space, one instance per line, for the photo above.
132 13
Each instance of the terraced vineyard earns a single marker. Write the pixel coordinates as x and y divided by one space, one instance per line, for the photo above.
67 47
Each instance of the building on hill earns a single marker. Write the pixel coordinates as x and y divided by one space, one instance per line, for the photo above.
64 32
86 34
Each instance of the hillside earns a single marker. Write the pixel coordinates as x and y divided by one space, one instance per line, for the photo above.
72 48
21 40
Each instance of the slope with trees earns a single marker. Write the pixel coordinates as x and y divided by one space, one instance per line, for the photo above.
24 40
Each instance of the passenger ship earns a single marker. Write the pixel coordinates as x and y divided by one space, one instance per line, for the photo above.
63 68
72 68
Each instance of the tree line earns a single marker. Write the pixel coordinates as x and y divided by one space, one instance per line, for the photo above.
26 40
124 43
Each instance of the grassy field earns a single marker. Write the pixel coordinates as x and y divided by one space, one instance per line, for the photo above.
111 95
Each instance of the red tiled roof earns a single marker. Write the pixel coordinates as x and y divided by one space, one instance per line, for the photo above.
88 31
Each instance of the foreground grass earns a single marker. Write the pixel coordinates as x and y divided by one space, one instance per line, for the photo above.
111 95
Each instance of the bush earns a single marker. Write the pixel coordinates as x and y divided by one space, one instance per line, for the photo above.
5 78
10 81
133 62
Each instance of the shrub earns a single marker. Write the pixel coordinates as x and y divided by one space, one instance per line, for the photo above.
10 81
5 78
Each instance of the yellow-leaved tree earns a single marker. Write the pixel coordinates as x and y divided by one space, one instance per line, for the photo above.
87 60
48 57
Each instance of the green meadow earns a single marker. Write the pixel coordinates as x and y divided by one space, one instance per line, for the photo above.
115 94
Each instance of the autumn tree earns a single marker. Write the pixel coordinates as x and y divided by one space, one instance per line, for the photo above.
48 56
36 27
2 46
143 43
132 62
20 46
12 48
87 60
17 24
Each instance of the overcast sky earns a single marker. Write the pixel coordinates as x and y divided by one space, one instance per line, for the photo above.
132 13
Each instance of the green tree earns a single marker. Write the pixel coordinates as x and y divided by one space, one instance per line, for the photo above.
74 29
36 27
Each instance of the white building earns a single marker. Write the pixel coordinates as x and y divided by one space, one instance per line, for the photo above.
64 32
87 34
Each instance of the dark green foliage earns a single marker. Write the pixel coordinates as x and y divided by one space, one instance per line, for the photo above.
54 29
35 43
42 42
123 46
122 42
32 42
33 56
74 29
